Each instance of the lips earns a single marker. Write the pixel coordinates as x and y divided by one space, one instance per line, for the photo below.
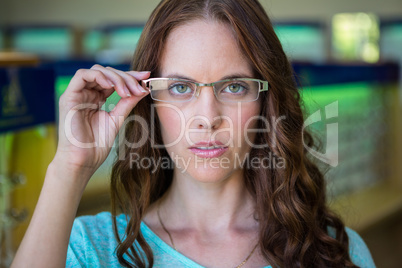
208 149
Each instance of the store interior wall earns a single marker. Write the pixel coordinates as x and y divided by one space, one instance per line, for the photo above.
90 13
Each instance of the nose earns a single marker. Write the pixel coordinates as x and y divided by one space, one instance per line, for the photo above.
207 110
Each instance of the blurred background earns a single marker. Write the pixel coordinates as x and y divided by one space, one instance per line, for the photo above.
346 55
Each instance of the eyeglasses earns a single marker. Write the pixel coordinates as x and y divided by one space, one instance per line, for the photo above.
229 90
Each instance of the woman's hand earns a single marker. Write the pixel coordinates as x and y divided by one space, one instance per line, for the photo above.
87 133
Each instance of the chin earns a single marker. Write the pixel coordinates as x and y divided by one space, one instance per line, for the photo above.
208 174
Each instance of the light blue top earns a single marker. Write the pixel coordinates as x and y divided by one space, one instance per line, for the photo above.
93 244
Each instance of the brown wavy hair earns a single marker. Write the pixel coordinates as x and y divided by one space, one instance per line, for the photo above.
290 202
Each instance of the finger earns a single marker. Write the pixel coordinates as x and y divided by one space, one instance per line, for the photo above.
86 78
116 79
131 82
139 75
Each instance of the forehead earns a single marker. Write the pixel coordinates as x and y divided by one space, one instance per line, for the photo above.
203 50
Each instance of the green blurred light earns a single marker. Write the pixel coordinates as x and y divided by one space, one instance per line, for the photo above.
356 36
93 42
302 42
125 38
45 42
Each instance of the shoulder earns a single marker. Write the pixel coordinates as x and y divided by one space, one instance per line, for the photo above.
99 222
92 240
98 226
358 250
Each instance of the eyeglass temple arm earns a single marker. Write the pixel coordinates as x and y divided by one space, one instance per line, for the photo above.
264 86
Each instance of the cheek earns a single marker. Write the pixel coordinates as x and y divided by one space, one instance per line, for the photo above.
248 122
171 122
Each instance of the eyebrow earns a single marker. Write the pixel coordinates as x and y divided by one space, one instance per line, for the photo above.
231 76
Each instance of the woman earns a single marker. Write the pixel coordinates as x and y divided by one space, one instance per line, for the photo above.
211 120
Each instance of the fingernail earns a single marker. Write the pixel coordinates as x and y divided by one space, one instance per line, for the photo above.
142 89
127 92
145 72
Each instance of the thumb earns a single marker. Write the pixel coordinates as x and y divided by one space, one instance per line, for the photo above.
123 109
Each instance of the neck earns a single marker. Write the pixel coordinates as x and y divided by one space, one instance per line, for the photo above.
208 207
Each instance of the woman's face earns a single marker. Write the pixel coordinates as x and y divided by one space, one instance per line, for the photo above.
207 139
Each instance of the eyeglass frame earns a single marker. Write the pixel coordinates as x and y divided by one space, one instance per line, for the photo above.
199 85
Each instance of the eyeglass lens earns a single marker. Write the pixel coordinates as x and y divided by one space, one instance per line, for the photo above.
238 90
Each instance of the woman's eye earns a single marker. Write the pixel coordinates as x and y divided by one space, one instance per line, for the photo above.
180 89
234 88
